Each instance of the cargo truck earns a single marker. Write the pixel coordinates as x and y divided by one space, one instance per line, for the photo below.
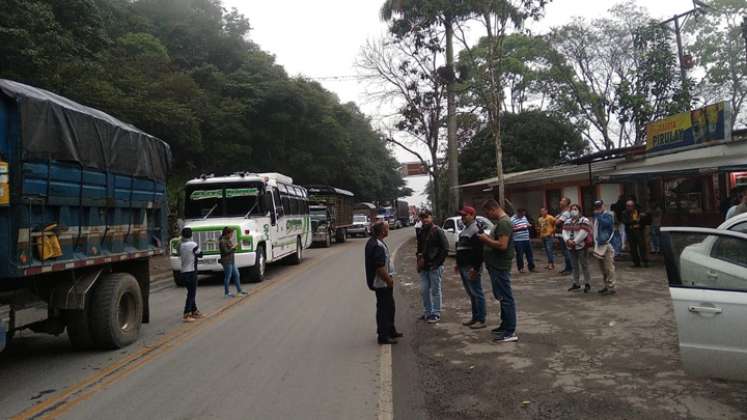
82 210
331 211
395 212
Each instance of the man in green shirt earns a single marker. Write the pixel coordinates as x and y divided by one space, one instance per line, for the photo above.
498 256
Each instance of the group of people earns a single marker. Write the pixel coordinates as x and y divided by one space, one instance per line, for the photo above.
190 253
579 239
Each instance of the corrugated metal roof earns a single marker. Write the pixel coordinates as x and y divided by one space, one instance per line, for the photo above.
551 174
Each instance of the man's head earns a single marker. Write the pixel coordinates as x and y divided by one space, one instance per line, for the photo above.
598 207
630 205
468 214
380 230
187 233
426 217
521 212
564 203
494 210
543 212
227 231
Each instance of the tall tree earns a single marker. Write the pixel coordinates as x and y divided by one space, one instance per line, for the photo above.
497 18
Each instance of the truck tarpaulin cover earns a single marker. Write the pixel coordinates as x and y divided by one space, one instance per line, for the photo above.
57 128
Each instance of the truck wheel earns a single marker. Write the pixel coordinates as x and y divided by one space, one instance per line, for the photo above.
79 329
297 257
116 311
340 235
256 273
178 279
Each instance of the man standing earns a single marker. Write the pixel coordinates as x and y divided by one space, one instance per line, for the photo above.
469 265
379 272
563 217
521 240
498 256
547 235
740 208
634 232
604 232
189 252
433 247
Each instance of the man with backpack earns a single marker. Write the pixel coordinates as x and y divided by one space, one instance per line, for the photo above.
433 247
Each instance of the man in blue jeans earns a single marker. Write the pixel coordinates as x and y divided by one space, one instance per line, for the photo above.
499 254
433 247
469 265
521 240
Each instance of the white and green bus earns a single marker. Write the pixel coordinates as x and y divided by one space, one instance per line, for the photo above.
269 216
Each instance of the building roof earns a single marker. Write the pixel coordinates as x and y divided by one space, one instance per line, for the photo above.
552 174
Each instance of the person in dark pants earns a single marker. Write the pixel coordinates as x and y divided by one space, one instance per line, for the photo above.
433 248
634 231
379 278
498 257
469 266
189 252
522 241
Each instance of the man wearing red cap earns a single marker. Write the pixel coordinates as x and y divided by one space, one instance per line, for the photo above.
469 265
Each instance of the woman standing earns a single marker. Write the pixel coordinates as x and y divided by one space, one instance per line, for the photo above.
227 249
577 236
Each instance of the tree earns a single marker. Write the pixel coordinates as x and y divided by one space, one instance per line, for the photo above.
486 85
405 71
720 50
531 139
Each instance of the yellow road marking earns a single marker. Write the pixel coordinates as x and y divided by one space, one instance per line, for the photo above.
57 405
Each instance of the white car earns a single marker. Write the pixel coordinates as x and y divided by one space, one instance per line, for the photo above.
453 226
707 270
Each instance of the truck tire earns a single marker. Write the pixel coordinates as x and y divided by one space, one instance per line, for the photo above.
178 279
116 311
341 235
256 273
79 329
328 242
297 257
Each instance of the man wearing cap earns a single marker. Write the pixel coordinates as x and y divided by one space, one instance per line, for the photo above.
604 233
469 265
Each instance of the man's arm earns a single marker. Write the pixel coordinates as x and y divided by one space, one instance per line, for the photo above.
443 251
381 272
500 244
197 251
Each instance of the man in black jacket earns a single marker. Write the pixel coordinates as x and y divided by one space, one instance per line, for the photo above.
469 265
432 251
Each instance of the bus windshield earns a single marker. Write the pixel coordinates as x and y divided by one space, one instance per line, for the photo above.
228 200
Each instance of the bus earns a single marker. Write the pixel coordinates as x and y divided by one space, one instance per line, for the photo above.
268 213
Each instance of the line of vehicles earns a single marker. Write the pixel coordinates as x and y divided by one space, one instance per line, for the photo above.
80 219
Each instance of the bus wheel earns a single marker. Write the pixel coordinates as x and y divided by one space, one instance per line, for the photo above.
256 273
297 257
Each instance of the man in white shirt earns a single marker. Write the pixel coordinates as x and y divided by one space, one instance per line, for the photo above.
189 252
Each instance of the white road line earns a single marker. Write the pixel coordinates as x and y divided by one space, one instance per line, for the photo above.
386 401
386 392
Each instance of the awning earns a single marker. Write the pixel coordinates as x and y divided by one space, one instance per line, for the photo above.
701 161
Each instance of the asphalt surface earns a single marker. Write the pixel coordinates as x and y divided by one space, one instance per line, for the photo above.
301 345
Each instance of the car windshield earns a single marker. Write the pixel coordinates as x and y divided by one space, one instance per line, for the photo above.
229 200
360 219
318 214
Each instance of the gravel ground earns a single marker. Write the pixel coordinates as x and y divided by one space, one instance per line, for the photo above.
579 356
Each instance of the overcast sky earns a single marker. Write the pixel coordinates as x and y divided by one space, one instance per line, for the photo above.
322 39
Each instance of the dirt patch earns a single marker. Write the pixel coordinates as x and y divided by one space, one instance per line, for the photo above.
578 356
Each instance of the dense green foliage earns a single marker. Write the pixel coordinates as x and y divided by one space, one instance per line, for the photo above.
531 139
186 72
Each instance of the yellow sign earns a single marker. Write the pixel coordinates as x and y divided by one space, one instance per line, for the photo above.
702 125
670 131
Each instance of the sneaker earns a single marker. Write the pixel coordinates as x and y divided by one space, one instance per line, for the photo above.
397 335
587 287
384 341
574 287
433 319
506 338
188 318
478 325
197 315
607 292
497 330
469 323
243 293
229 295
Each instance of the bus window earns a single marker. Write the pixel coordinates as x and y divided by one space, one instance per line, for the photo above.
278 203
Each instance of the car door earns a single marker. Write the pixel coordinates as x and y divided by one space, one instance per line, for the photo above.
451 234
707 272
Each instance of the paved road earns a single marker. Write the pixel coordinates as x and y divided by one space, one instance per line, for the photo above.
301 345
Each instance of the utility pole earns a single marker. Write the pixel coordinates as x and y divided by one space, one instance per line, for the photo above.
744 35
698 7
452 152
